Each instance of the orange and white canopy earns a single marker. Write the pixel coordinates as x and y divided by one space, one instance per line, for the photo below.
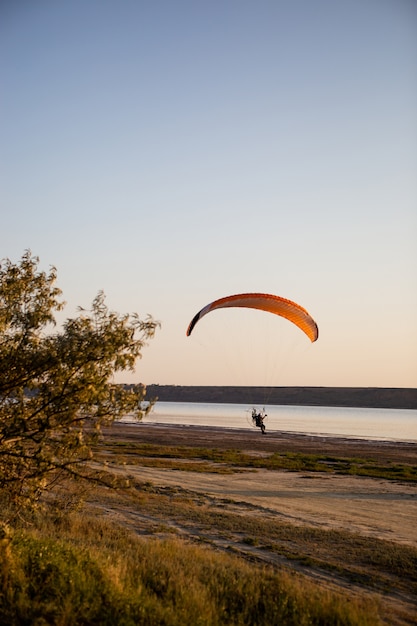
265 302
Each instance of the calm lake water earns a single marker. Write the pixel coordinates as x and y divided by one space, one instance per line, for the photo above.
383 424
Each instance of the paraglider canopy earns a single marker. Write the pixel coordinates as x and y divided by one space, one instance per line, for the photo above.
265 302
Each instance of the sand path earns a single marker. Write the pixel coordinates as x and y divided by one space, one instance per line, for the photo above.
371 507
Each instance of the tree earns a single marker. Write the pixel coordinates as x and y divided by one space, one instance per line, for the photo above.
56 388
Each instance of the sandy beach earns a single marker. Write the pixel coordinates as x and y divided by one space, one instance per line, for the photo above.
346 532
369 506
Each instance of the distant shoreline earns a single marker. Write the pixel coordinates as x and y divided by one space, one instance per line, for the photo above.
363 397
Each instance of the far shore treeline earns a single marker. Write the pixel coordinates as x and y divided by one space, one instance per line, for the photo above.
366 397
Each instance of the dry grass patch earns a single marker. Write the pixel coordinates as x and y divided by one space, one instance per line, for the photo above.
88 570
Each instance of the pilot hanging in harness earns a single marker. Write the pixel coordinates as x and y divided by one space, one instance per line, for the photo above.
258 419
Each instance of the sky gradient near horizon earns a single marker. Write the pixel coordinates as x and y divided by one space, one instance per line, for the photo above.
171 153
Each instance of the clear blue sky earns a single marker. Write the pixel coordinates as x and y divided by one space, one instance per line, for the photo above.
171 153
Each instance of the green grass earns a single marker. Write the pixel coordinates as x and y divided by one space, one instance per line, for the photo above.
224 461
89 571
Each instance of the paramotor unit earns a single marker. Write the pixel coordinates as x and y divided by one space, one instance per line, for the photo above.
258 418
264 302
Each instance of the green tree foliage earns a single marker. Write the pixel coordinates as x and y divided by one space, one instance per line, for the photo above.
56 388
